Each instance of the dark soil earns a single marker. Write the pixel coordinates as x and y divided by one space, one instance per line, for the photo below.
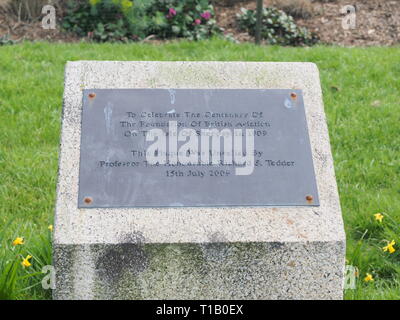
378 23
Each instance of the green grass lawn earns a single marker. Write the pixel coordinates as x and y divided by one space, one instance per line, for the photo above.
362 100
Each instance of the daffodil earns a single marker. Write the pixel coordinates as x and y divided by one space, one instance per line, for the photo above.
18 241
390 247
368 278
50 227
378 217
126 5
25 262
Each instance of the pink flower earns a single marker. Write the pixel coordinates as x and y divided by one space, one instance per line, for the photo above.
197 21
171 13
206 15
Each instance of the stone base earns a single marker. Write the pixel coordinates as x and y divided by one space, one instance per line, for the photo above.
276 270
199 252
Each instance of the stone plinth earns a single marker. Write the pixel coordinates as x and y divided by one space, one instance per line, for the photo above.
197 253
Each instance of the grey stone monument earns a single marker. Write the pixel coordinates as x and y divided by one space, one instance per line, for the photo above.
266 224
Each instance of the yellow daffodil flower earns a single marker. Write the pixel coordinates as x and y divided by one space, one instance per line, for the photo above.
25 262
378 217
50 227
368 278
126 4
18 241
390 247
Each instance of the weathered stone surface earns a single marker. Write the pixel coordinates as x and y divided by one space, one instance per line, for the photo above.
221 253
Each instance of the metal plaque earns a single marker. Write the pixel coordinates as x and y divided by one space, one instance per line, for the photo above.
195 148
